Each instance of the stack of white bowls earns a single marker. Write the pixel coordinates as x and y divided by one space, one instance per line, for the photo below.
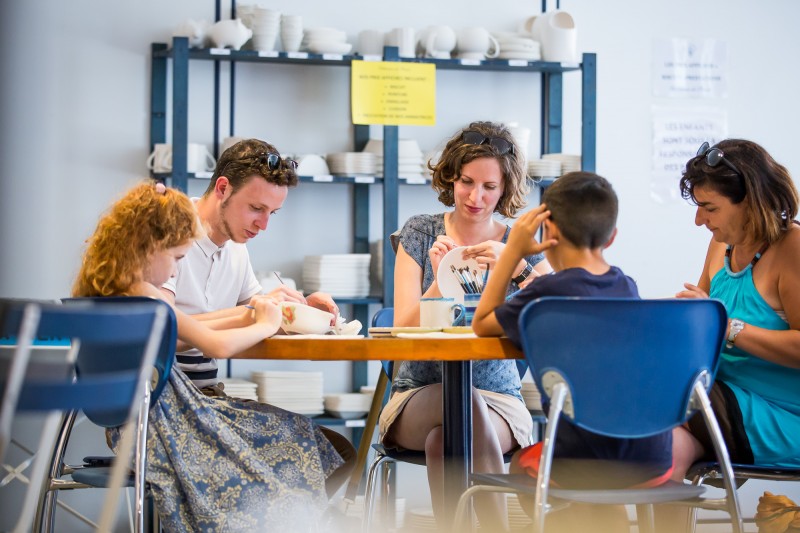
352 163
569 162
420 519
265 26
348 405
544 168
326 41
516 46
291 32
299 392
340 275
410 163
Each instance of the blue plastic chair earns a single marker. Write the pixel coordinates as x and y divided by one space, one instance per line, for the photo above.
386 456
622 368
96 390
95 472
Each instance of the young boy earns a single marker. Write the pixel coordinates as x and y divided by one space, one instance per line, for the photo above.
578 215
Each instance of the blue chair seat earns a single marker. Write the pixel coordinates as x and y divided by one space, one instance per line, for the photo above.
98 477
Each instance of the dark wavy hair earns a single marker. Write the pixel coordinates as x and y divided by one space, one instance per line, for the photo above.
456 154
765 187
584 206
246 160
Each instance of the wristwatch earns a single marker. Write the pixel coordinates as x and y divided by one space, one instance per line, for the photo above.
734 329
524 274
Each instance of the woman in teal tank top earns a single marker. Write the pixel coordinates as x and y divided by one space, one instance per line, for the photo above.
748 201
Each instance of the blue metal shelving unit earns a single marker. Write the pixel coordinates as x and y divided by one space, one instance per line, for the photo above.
180 55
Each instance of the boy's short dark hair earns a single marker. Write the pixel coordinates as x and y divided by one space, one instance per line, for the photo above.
584 206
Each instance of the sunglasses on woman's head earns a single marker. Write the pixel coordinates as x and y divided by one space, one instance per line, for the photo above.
715 156
498 143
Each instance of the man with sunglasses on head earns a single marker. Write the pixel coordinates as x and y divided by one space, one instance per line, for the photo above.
215 279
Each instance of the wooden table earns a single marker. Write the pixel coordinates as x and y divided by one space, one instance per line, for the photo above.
457 354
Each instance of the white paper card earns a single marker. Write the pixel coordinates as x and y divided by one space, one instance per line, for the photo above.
323 178
219 51
690 68
297 55
273 53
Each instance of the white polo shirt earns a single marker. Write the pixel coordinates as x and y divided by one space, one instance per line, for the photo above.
210 278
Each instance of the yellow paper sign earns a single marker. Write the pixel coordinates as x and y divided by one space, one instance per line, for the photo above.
393 93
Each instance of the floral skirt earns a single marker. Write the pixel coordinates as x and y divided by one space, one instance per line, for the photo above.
225 465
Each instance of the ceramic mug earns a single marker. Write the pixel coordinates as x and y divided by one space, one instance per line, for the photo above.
470 304
437 42
439 312
559 41
160 160
476 43
370 43
404 39
199 159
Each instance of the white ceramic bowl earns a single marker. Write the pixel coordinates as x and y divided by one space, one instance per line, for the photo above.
304 319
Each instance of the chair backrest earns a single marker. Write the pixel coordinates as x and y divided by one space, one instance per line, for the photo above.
629 364
94 358
107 392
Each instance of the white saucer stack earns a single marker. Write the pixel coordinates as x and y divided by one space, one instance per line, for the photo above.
326 41
410 161
240 388
515 46
340 275
352 164
569 162
299 392
544 168
420 519
348 405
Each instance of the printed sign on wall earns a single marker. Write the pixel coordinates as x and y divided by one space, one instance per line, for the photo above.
393 93
690 68
677 134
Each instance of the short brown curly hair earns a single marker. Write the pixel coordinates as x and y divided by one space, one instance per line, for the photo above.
456 154
247 159
137 225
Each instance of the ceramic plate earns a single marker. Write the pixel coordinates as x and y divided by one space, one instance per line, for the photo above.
449 282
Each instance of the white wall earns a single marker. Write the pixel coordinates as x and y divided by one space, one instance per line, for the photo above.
75 104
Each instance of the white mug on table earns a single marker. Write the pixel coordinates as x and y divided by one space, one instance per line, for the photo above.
439 312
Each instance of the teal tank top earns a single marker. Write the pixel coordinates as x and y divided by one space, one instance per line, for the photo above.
768 394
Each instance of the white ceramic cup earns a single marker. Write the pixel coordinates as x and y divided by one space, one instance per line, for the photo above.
476 41
370 43
437 41
559 42
199 159
404 39
439 312
160 160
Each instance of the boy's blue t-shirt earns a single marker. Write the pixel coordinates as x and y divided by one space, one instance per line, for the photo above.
653 454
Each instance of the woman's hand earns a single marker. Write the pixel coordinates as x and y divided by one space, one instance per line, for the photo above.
692 291
485 253
439 249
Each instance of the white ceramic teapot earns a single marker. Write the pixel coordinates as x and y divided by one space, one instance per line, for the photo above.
230 34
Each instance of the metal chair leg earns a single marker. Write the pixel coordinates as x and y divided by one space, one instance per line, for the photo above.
369 494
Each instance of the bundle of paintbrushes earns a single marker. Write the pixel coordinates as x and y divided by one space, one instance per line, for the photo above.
471 282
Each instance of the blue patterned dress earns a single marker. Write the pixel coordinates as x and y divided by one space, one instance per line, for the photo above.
224 465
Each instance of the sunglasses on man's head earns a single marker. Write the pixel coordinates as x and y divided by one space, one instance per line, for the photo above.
498 143
715 156
273 161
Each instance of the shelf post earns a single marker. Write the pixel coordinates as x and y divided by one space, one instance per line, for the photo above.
158 95
552 116
390 196
180 111
589 112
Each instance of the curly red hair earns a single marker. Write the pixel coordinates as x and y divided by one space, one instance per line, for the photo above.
142 222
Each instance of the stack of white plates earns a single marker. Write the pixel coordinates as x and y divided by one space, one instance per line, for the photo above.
299 392
239 388
531 396
326 41
340 275
515 46
517 518
352 163
410 161
569 162
544 167
348 405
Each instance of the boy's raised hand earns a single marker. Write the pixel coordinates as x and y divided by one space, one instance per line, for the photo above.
522 239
